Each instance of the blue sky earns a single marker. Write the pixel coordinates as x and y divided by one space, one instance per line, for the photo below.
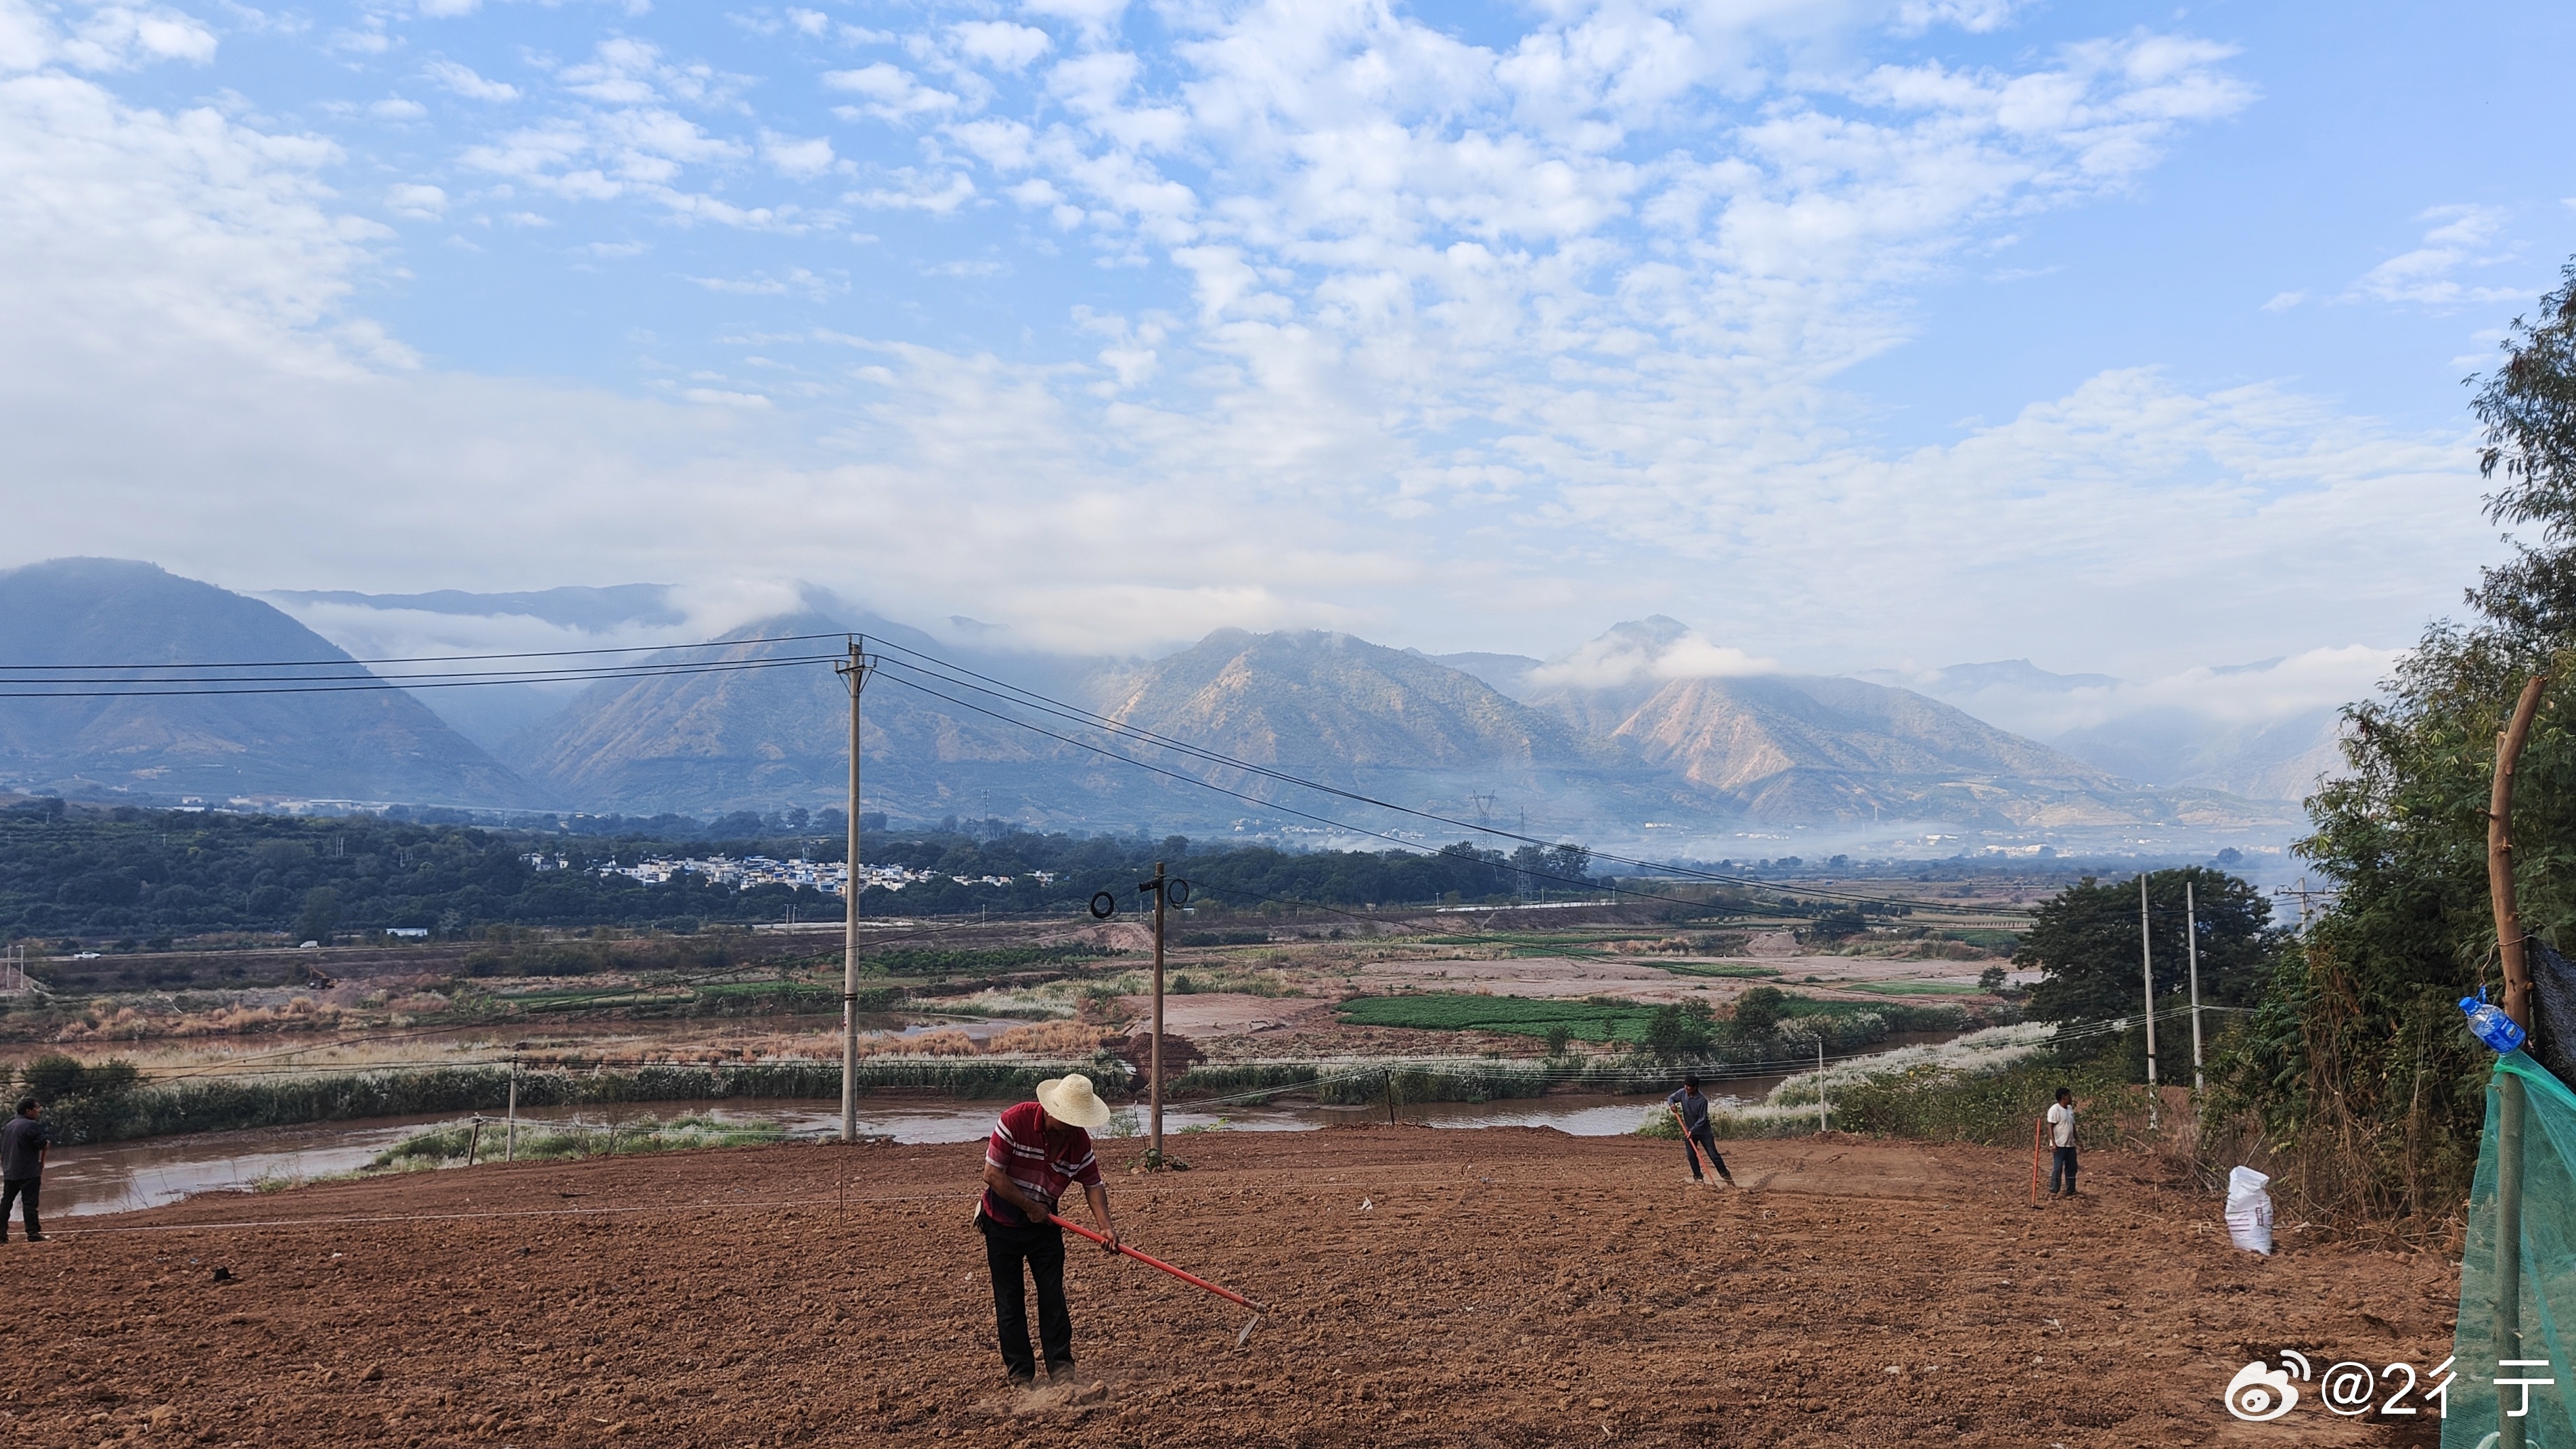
1856 335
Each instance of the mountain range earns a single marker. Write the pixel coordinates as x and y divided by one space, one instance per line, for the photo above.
1646 727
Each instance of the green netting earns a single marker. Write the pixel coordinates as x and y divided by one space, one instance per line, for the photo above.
2546 1302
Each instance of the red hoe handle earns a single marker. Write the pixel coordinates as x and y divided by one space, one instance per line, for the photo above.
1150 1261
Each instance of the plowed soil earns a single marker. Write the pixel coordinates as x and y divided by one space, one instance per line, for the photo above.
1502 1287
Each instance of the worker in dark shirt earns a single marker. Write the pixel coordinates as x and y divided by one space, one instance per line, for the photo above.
22 1166
1690 1113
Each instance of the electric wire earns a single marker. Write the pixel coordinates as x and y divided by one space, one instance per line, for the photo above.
959 677
441 658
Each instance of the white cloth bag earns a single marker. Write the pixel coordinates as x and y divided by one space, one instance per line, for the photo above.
2249 1210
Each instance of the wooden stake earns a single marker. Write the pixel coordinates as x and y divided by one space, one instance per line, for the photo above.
2517 1004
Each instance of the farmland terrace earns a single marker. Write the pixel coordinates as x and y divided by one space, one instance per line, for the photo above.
1497 1287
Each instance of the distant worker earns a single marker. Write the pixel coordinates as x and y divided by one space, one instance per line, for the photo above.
2061 1136
1036 1150
1690 1112
22 1166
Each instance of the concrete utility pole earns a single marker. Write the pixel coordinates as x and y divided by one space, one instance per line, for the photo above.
510 1143
2147 964
2511 1105
2191 928
854 673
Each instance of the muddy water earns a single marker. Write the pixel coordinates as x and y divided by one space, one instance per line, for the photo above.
126 1176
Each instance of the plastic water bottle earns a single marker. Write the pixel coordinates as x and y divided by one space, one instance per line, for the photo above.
2489 1023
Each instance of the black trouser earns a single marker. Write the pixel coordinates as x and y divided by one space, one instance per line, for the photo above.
2062 1164
19 1189
1042 1248
1706 1137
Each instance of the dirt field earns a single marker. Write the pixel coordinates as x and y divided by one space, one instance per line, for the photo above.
1501 1287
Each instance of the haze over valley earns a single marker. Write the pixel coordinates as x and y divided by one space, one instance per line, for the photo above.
1647 734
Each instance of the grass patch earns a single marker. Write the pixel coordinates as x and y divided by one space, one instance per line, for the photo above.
932 962
1912 988
551 1141
1708 968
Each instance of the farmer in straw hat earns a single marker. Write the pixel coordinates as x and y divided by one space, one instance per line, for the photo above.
1036 1149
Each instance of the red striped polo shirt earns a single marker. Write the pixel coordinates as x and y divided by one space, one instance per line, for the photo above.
1041 1163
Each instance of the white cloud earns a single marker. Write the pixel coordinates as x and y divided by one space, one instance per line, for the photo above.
1000 44
795 280
891 92
2462 237
463 81
1493 342
107 38
918 191
397 109
791 156
1629 655
1974 16
423 203
2284 301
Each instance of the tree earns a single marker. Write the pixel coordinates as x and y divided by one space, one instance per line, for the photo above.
2356 1061
1758 1011
2085 942
321 913
1677 1031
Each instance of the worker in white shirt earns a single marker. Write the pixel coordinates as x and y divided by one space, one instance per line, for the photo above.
2061 1136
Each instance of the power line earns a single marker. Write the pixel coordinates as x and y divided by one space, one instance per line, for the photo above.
962 678
442 658
147 689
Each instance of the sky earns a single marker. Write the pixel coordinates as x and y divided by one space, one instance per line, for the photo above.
2127 339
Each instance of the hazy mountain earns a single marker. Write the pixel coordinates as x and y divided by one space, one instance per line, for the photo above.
454 621
1509 673
594 609
354 745
1647 722
1324 706
1783 748
2189 732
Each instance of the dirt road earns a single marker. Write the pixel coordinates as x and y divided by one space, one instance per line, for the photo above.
1496 1287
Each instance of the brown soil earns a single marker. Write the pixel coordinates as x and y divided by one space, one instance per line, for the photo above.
1498 1287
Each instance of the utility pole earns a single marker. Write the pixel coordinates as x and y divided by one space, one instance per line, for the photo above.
2511 1105
2191 929
854 674
2147 964
1167 891
510 1145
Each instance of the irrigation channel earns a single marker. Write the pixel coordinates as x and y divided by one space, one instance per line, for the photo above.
112 1177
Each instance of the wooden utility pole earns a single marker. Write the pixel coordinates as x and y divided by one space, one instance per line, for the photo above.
2147 964
1155 1080
854 673
2510 1104
2191 934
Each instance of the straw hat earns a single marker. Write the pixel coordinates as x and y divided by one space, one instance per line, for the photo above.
1071 1101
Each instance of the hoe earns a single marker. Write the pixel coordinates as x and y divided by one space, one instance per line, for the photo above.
1192 1279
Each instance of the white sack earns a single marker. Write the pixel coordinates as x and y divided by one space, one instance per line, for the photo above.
2249 1210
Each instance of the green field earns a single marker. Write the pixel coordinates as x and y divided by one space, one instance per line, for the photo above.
1516 1015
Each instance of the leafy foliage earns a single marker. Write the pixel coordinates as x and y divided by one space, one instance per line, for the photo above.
153 874
2086 940
2357 1062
